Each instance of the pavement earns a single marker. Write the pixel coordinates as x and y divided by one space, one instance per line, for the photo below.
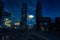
27 35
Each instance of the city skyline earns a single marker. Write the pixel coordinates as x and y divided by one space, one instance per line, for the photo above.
46 7
14 7
29 20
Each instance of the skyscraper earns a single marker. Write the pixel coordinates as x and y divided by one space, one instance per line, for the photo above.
57 22
1 11
39 9
23 16
38 14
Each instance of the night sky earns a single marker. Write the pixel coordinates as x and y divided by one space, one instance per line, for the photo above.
50 8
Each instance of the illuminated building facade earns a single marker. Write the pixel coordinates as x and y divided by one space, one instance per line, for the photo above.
24 16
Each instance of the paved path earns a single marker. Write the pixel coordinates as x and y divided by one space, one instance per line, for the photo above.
27 35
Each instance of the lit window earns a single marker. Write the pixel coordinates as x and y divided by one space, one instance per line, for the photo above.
16 23
15 27
6 19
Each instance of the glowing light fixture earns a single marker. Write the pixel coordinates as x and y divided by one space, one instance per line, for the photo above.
7 22
31 16
6 19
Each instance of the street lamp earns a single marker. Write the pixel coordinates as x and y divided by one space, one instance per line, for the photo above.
30 17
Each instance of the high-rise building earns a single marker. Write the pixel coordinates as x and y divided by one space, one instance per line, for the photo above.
39 9
1 11
46 23
23 16
38 14
55 26
57 22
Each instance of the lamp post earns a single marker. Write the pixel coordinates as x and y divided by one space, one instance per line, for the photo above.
31 17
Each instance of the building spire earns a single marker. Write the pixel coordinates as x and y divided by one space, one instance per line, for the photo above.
39 9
